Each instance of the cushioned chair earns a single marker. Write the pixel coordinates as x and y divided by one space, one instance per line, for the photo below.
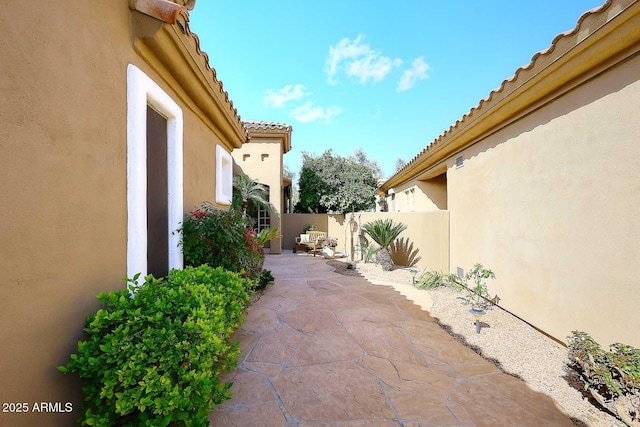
311 241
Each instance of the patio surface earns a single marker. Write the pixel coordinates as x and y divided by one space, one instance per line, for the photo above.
319 348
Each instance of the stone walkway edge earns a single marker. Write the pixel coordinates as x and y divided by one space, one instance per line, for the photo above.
323 349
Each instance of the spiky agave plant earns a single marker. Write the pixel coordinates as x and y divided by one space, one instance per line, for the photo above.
384 232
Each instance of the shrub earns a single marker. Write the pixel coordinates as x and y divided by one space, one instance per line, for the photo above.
477 290
153 357
221 239
611 377
436 279
368 252
265 278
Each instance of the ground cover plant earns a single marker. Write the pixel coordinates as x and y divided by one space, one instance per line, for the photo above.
611 377
154 354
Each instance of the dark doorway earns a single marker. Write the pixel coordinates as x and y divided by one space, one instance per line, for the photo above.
157 195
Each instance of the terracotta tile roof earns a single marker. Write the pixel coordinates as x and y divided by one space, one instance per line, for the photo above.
183 24
587 24
251 124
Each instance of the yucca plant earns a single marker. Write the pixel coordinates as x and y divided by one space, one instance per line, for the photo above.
384 232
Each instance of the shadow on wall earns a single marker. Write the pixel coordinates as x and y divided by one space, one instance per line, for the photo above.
403 253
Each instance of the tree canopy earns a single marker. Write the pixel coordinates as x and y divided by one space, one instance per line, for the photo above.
332 183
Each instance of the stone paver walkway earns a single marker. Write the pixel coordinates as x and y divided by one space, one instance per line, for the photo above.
320 348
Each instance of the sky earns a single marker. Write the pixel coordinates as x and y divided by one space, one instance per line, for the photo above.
385 76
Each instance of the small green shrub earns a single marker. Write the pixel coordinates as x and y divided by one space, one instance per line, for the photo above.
265 278
611 377
309 227
369 252
154 357
477 290
221 238
436 279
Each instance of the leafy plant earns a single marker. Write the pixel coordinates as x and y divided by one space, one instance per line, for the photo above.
309 227
479 288
221 239
267 234
246 191
368 252
154 357
384 232
436 279
611 377
265 278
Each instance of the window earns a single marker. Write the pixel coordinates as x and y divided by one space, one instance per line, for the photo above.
144 93
224 176
410 199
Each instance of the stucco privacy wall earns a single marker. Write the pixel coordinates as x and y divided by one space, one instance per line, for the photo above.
63 222
427 232
550 203
262 161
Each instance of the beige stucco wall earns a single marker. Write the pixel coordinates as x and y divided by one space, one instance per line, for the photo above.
420 195
428 232
261 159
550 204
63 221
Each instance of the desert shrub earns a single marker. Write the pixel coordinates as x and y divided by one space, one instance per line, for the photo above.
473 282
368 252
154 357
611 377
436 279
221 238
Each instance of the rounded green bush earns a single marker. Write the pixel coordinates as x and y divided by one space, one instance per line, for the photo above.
154 354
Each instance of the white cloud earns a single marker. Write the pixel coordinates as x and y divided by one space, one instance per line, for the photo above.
418 71
358 60
277 98
310 113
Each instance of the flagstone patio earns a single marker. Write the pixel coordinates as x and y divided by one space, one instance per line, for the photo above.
319 348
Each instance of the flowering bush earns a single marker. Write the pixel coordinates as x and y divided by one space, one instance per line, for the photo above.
221 239
330 243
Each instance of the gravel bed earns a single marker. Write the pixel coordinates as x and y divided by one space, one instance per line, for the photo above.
518 348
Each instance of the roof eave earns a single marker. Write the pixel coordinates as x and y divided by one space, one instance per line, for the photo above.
177 49
603 37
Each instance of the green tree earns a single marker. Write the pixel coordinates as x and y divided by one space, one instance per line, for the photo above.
361 157
246 190
332 183
384 233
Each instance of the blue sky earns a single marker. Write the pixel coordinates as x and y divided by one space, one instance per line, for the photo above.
387 77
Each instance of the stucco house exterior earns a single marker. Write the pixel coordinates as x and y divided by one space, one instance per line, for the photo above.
113 126
261 158
541 181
